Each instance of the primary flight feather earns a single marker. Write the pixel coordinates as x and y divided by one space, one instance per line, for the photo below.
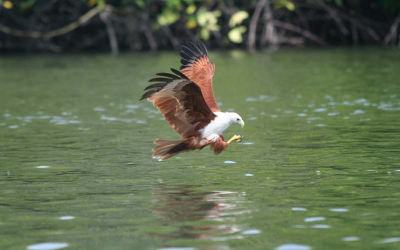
186 99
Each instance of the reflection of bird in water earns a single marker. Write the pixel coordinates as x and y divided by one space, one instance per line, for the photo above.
186 99
197 215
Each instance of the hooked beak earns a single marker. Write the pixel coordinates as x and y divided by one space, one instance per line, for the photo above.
242 124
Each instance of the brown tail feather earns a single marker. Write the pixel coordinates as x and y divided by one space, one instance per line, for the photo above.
167 148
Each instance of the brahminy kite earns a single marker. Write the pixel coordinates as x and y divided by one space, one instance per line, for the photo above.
186 100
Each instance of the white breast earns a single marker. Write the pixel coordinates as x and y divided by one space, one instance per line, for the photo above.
216 127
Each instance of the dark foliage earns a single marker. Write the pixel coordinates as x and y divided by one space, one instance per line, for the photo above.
70 25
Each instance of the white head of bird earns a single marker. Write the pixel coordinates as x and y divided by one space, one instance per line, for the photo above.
235 118
221 123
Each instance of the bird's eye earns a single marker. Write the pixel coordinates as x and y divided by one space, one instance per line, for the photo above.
237 119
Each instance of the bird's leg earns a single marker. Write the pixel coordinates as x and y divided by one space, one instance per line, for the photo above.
236 138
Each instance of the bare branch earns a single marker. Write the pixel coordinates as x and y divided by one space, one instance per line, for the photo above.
269 29
335 17
354 34
361 26
147 30
300 31
105 17
174 41
251 43
391 35
61 31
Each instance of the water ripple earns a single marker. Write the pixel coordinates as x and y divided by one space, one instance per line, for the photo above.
350 238
293 247
312 219
47 246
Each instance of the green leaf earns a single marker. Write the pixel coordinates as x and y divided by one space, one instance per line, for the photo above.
191 9
208 19
236 34
174 4
167 17
101 3
285 3
339 3
191 22
140 3
205 34
189 2
238 18
27 4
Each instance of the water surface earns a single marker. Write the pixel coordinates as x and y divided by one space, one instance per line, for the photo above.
318 167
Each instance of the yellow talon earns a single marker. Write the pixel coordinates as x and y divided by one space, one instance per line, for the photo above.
236 138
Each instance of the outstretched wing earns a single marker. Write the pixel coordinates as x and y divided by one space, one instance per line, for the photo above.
197 67
181 102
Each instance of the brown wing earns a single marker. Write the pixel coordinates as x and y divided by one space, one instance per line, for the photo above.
197 67
181 102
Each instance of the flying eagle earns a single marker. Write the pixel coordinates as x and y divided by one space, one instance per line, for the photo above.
186 99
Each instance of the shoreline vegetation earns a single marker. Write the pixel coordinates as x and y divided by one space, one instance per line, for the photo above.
133 25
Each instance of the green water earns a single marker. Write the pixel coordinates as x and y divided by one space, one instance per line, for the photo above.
319 166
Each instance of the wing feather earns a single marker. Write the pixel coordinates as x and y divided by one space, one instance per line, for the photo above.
182 104
179 73
160 79
168 75
196 66
156 85
195 48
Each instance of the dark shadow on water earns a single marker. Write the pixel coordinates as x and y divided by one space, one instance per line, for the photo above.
189 213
